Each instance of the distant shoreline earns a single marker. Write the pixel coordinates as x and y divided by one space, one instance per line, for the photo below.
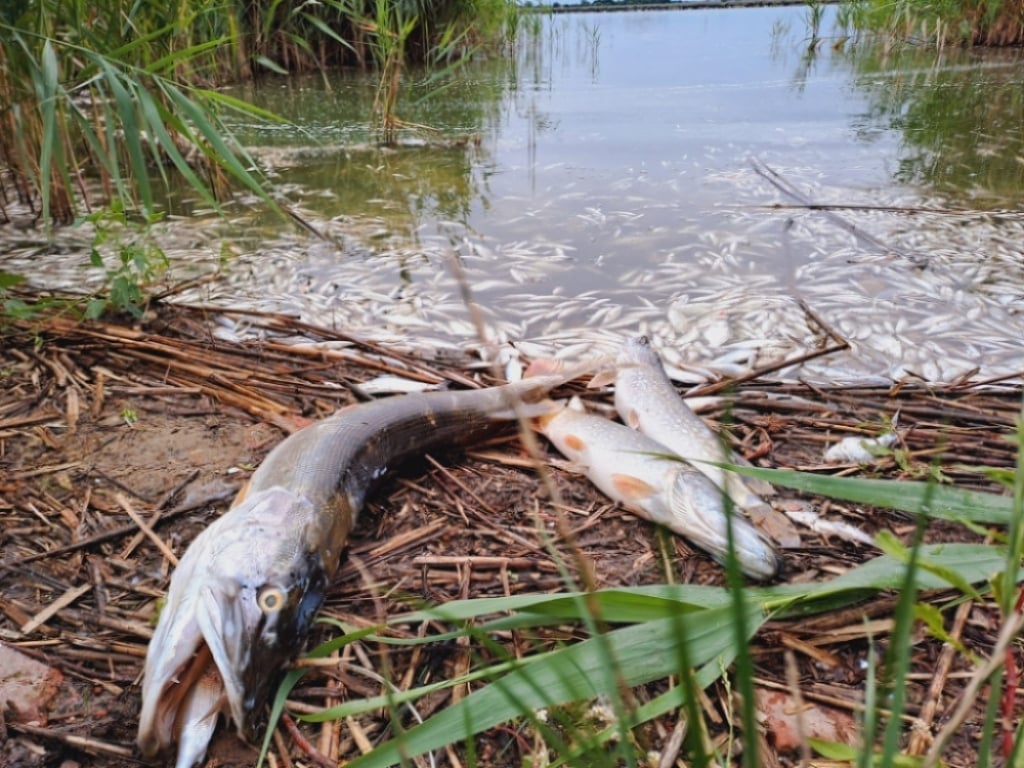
683 5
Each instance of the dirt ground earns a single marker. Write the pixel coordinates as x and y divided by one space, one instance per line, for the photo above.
104 425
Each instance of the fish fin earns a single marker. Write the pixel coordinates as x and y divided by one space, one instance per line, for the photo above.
601 379
774 524
563 369
632 489
571 467
632 419
544 366
240 496
543 419
754 485
539 411
575 443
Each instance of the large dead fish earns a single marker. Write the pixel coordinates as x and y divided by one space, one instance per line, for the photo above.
638 472
245 594
646 400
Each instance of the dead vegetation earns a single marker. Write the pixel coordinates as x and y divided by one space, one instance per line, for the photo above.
118 443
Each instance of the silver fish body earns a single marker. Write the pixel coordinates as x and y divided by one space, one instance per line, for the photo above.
642 475
244 595
646 400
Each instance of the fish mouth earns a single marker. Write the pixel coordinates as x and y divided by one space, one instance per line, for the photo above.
227 620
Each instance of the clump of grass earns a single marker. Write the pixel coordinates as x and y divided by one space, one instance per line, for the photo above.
941 22
683 638
98 100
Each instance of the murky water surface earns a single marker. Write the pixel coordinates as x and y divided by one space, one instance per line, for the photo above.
612 176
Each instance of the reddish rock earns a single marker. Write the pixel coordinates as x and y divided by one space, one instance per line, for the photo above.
26 686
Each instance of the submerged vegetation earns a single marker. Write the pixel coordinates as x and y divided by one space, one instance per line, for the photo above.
98 100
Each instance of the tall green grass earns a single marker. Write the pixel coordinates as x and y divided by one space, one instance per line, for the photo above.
684 638
940 22
103 99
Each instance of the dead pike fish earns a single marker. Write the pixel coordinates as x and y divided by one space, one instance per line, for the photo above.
646 400
632 469
246 592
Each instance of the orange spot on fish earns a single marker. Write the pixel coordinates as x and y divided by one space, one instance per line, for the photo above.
632 488
575 443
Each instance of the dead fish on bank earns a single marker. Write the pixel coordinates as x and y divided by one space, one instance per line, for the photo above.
863 450
631 469
647 400
246 592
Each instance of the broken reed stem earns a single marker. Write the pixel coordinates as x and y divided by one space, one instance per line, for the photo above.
920 734
144 527
969 695
88 744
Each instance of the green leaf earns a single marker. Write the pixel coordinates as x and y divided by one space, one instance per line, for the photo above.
643 653
10 279
889 544
916 498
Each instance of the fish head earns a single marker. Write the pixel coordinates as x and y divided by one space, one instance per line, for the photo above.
243 599
698 510
637 351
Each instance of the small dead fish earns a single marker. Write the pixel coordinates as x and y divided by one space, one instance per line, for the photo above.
386 384
632 469
860 450
804 514
646 400
246 592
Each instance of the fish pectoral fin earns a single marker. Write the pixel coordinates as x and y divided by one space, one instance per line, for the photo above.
572 467
632 419
601 379
774 524
701 517
632 489
687 519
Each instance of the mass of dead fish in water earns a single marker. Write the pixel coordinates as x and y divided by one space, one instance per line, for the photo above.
719 299
720 295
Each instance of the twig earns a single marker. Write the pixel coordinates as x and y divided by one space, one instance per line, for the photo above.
968 696
86 743
53 608
776 180
828 329
920 734
144 527
303 743
718 386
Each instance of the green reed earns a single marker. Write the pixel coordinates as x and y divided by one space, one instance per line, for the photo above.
105 99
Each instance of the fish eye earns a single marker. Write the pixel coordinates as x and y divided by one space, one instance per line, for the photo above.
270 599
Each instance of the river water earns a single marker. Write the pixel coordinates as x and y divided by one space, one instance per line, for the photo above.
612 175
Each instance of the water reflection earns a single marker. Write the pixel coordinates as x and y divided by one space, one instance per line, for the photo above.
958 112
